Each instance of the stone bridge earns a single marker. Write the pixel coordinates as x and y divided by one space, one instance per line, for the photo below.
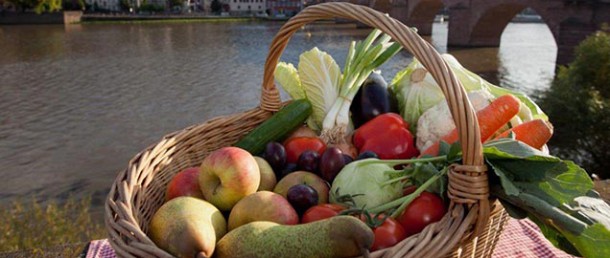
480 23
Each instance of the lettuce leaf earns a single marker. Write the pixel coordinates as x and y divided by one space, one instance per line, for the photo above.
320 79
415 94
288 78
472 81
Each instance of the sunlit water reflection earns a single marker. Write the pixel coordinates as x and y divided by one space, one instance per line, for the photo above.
78 102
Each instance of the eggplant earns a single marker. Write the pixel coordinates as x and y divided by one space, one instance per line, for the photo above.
372 99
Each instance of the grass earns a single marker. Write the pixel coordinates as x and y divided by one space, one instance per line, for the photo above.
28 225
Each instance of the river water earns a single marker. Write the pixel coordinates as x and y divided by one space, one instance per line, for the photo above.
77 102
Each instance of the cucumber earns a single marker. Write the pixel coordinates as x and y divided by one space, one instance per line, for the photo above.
276 127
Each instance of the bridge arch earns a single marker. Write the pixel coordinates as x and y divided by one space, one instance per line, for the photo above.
488 28
480 23
421 14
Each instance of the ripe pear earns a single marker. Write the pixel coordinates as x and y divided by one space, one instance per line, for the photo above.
339 236
187 227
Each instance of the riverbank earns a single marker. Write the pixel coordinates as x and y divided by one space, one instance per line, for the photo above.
131 18
77 17
28 18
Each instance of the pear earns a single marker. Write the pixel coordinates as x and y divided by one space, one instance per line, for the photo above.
187 227
339 236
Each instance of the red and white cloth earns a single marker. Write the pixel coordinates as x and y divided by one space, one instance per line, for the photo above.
520 239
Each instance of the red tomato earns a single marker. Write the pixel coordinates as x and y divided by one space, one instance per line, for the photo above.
297 145
427 208
321 211
388 234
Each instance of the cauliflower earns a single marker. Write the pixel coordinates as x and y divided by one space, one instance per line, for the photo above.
437 121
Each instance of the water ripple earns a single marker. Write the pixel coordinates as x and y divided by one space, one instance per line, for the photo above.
78 102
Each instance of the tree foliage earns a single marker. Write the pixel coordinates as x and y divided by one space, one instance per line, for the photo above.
73 4
578 105
39 6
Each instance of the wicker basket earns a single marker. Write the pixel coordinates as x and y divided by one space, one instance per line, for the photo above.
471 227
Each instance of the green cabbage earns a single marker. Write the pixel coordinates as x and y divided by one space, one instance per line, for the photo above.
415 97
368 179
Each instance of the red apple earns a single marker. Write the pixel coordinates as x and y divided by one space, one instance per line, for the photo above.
185 183
262 206
303 177
227 175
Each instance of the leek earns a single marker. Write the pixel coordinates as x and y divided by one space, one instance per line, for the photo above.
318 78
362 59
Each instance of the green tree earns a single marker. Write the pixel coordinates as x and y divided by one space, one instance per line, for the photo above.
39 6
48 6
73 4
173 3
23 5
125 5
578 105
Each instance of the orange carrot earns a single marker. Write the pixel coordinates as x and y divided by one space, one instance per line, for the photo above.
535 133
491 119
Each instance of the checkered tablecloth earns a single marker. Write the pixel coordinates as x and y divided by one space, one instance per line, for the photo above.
520 238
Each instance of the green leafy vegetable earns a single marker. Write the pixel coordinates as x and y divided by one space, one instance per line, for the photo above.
288 78
472 81
362 58
417 91
320 76
378 187
319 79
556 194
415 96
366 182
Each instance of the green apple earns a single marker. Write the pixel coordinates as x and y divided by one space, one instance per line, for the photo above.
227 175
268 179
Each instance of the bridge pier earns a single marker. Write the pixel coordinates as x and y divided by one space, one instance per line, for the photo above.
571 33
480 23
421 16
458 31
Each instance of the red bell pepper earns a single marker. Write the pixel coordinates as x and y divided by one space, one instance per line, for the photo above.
388 136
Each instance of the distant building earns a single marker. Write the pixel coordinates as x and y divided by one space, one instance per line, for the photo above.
247 6
207 5
103 5
284 7
164 3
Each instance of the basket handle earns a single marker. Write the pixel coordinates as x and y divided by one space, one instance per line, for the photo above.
468 182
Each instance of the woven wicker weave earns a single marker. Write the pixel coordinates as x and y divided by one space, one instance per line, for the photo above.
471 228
